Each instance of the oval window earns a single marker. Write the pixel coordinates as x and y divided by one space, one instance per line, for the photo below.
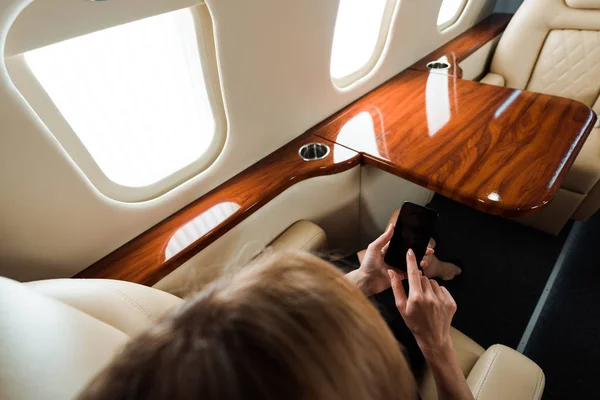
360 33
134 98
450 12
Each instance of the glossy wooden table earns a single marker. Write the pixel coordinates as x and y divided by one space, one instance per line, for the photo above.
155 253
502 151
499 150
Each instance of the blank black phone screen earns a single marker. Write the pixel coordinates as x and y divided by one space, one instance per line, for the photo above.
414 227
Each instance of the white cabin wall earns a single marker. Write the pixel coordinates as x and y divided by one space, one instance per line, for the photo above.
273 58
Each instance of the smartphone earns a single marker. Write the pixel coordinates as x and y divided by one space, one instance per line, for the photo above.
414 227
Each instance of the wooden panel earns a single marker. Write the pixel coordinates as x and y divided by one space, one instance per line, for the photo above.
464 45
499 150
158 251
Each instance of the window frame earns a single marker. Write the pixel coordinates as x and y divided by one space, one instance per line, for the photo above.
42 105
382 38
459 12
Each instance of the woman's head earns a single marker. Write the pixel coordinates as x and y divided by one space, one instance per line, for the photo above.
288 326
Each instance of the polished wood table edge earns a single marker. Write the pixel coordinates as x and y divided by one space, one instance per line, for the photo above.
141 259
134 261
329 127
502 210
465 44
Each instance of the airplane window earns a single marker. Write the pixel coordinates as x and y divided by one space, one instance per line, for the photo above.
359 36
449 13
134 94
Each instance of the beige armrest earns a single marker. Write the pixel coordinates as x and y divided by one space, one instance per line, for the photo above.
467 354
49 350
493 79
502 373
303 235
138 306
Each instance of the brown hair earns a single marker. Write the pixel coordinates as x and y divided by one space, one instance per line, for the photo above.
288 326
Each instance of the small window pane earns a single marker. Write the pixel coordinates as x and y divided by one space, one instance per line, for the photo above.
134 94
450 11
357 31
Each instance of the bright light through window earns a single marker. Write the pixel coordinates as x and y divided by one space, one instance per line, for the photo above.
134 94
356 35
450 11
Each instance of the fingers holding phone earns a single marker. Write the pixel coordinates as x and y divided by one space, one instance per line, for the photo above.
414 222
427 309
412 230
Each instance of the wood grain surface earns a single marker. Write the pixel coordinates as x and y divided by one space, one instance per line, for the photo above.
158 251
502 151
499 150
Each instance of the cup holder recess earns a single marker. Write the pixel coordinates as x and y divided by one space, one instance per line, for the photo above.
438 65
314 151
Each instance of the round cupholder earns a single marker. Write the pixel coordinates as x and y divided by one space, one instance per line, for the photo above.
438 65
313 151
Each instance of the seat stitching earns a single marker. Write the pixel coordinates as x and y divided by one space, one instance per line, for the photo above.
487 373
582 43
537 383
132 301
310 239
583 60
568 60
576 49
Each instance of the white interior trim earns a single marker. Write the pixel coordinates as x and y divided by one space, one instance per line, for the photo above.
51 116
273 60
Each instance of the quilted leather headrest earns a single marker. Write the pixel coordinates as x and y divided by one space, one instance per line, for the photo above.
584 4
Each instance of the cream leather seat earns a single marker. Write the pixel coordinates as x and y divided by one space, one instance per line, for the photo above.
553 47
56 335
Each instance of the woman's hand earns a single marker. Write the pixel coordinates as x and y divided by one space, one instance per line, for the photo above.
427 311
372 275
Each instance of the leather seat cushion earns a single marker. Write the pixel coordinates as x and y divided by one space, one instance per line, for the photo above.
126 306
572 35
567 65
503 373
497 373
48 349
493 79
585 172
302 235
